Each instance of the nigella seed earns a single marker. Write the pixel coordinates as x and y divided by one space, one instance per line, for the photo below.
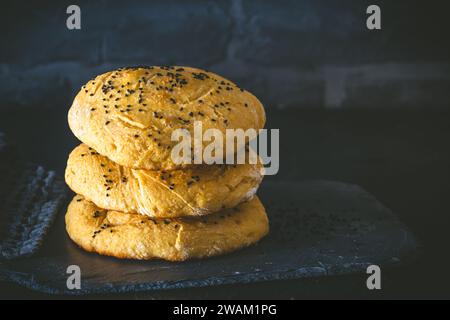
107 122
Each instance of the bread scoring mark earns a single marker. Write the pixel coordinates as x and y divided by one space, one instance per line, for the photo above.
129 123
158 181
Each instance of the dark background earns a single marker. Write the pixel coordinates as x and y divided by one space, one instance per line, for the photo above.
355 105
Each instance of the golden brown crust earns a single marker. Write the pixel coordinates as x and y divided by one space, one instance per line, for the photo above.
133 236
196 190
129 114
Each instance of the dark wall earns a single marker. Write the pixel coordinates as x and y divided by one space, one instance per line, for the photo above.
295 53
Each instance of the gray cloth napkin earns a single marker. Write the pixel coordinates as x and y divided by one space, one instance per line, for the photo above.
30 198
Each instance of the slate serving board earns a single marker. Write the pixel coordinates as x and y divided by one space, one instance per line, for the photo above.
318 228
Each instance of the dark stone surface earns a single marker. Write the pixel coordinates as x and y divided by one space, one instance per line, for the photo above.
296 53
318 228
